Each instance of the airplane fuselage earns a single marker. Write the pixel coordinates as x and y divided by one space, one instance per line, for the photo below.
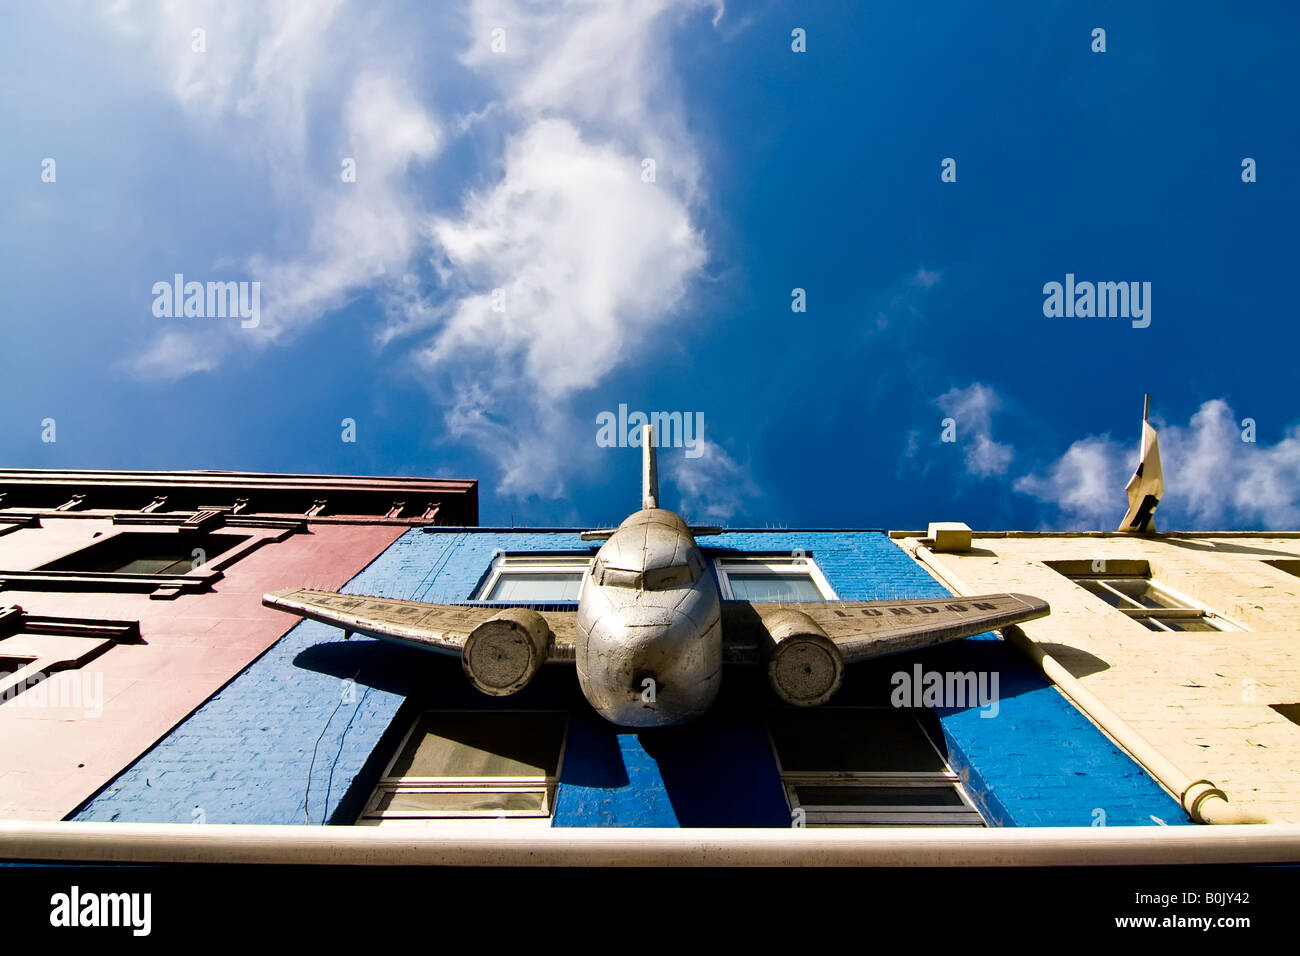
649 628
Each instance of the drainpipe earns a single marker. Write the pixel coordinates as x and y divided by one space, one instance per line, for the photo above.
1199 798
500 843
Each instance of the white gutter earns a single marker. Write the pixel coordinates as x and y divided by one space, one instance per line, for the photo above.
483 843
1199 798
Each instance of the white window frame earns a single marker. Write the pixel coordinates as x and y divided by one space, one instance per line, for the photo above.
827 815
544 786
504 565
777 564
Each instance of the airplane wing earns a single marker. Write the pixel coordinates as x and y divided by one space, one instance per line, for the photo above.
866 629
806 644
437 627
500 648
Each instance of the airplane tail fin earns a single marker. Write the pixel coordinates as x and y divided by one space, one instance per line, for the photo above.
649 469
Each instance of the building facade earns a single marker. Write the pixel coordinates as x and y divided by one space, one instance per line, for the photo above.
1192 639
142 679
129 599
321 729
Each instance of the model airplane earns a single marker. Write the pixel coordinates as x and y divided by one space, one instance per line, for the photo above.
651 631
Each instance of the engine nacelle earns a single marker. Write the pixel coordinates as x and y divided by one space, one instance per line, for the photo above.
503 653
804 666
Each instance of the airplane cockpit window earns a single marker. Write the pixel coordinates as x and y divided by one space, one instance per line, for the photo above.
676 576
617 577
655 579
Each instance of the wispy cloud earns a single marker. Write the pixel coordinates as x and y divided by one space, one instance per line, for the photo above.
544 272
926 278
255 64
560 270
364 232
972 409
304 88
905 301
713 487
1084 487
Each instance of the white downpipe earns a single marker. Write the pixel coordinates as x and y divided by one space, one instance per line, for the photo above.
482 843
1200 798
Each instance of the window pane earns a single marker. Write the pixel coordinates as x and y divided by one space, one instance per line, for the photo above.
1187 624
409 801
483 744
146 553
152 564
848 740
1106 594
1144 592
773 586
536 586
878 797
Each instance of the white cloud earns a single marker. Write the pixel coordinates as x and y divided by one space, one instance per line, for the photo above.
593 261
972 410
600 64
173 355
584 260
925 278
713 487
1086 484
267 74
260 62
905 300
531 461
364 231
588 258
1213 479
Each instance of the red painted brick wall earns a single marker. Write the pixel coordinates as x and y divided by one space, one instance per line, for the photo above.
52 758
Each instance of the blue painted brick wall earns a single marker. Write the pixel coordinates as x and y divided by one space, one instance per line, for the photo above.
304 731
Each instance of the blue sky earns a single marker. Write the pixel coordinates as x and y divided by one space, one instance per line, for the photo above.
521 169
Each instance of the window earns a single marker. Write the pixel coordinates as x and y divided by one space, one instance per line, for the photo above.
535 578
865 766
788 577
34 648
1127 586
185 560
147 553
474 763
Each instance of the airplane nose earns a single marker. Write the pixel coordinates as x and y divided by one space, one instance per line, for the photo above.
637 675
647 669
646 683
